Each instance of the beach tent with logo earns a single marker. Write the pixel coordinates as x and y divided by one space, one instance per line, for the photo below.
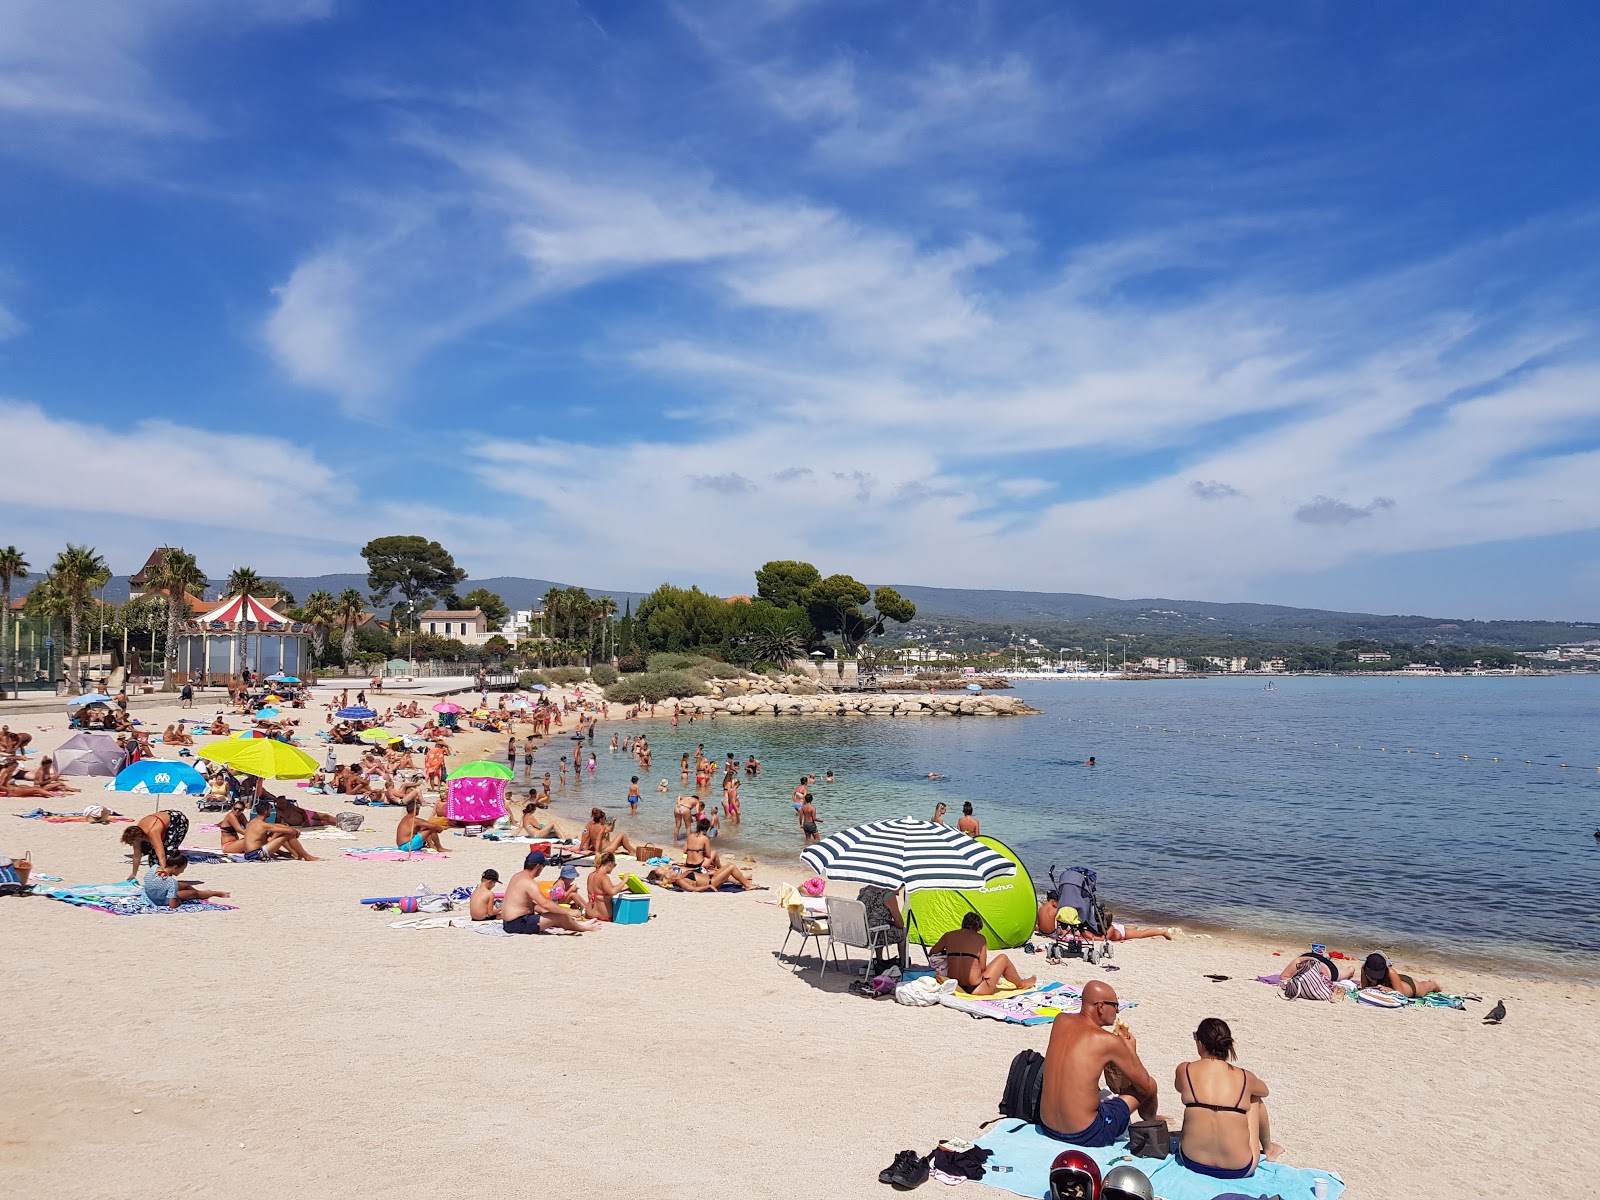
1006 903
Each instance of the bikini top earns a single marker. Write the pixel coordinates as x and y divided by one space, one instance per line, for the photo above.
1234 1107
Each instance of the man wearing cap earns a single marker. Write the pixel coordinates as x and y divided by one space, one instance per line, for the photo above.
1081 1047
526 909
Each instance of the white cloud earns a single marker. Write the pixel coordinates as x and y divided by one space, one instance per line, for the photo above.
92 63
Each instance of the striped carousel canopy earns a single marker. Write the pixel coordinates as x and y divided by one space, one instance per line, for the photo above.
909 853
243 608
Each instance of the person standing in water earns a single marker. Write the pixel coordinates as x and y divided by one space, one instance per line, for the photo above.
808 819
968 824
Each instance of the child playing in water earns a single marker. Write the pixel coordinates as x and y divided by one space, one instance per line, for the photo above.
633 795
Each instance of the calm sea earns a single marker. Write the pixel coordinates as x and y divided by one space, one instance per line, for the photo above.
1401 814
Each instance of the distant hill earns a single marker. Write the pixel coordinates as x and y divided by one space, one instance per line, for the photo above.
1035 612
1065 614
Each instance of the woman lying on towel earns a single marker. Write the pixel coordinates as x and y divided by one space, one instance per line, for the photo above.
689 879
1225 1130
1378 971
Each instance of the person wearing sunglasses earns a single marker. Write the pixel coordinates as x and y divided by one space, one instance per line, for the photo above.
1081 1047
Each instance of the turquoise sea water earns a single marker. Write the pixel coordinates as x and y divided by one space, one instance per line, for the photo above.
1368 813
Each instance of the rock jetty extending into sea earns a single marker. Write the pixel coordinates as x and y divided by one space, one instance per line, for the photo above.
855 704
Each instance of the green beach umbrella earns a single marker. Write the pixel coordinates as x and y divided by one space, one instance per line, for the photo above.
378 735
482 769
263 757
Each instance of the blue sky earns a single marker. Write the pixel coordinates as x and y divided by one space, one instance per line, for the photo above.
1293 303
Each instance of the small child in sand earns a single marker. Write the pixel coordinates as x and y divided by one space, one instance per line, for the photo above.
161 884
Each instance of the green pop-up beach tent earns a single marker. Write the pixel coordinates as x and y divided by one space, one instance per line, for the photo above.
1006 904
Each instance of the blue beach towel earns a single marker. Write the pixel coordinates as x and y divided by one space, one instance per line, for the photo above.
1029 1154
124 900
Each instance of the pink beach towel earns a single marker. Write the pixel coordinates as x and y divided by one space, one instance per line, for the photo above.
475 801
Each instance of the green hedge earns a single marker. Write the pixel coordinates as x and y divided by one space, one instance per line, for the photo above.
604 674
653 686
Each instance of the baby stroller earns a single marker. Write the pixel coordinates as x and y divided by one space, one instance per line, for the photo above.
1081 920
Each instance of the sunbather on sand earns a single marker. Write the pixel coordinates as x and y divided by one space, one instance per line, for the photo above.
264 839
1225 1129
231 828
219 727
1378 971
1119 931
698 855
1311 976
292 814
176 735
968 962
13 743
413 833
600 837
159 835
602 887
161 886
48 776
687 880
483 906
526 909
531 826
1081 1048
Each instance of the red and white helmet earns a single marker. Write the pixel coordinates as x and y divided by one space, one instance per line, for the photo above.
1074 1176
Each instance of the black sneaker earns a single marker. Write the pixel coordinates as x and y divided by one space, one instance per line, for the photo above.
908 1170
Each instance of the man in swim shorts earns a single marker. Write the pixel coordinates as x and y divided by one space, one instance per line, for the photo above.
413 833
526 909
1081 1046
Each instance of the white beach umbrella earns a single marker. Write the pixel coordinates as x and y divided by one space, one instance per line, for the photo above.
907 853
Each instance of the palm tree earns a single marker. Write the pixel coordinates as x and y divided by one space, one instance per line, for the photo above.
348 610
244 582
76 573
12 566
319 614
555 606
177 576
605 608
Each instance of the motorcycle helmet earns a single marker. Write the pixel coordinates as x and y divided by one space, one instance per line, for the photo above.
1126 1183
1074 1176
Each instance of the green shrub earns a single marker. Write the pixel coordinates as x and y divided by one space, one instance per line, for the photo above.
629 663
654 686
526 679
671 660
604 674
562 676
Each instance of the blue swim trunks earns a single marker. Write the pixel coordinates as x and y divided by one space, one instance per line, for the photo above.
256 855
415 842
1107 1127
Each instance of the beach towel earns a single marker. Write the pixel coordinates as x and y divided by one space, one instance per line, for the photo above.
124 900
434 923
67 818
1029 1153
1035 1006
390 854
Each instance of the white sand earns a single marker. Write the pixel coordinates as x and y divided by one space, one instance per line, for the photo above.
300 1045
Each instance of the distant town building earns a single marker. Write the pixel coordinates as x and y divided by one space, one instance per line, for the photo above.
1233 665
1372 656
466 625
1274 664
1164 666
1423 669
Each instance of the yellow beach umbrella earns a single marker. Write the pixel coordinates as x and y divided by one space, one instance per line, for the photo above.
378 735
273 700
264 757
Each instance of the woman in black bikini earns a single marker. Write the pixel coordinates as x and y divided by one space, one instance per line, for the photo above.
1226 1136
967 960
159 835
1377 971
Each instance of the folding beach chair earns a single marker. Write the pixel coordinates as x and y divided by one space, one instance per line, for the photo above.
807 926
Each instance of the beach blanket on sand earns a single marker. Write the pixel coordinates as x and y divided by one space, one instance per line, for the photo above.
390 854
1035 1006
1029 1154
124 900
1382 997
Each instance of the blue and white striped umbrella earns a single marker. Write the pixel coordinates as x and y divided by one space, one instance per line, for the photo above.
907 853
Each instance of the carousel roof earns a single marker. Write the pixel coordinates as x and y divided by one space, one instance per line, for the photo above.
243 608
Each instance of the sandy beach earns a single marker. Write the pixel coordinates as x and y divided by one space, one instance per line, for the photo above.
300 1040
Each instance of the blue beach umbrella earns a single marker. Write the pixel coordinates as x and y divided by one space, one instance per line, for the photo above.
160 776
974 687
355 713
539 687
266 714
282 679
89 698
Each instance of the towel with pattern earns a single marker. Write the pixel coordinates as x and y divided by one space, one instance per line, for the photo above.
1035 1006
124 900
390 854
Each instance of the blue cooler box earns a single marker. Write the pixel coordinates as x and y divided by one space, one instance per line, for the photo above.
630 908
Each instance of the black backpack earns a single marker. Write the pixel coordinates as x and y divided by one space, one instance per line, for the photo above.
1024 1087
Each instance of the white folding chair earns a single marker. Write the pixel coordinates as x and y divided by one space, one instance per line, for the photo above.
847 926
807 926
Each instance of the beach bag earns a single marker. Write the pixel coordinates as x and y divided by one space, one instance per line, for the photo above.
1024 1087
923 991
1149 1139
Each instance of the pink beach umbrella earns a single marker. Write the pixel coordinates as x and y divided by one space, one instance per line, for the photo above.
444 706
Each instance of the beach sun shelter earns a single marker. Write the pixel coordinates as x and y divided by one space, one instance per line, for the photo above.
1006 903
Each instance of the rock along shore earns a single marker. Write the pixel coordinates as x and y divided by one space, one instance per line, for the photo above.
854 704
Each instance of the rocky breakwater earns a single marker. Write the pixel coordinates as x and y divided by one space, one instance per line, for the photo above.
855 704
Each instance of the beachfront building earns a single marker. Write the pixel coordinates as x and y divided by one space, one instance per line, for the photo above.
465 625
242 633
1164 666
1423 669
1372 656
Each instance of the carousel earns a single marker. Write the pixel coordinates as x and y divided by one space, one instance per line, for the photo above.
239 634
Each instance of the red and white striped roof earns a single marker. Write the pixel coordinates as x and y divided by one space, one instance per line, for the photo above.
244 608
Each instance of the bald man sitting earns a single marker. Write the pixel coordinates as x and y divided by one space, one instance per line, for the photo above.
1081 1047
